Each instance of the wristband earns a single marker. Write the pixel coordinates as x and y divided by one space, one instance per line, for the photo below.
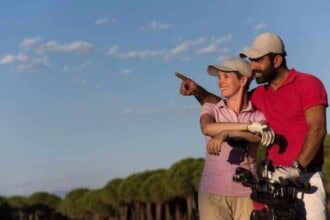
297 165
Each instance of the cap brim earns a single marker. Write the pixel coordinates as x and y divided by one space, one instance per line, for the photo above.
252 53
213 70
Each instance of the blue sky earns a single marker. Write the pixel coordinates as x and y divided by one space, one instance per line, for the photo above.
88 91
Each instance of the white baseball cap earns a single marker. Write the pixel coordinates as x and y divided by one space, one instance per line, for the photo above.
264 44
231 65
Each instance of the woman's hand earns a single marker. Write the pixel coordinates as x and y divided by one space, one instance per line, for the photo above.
214 145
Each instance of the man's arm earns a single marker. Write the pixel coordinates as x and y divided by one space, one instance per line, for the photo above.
316 121
190 87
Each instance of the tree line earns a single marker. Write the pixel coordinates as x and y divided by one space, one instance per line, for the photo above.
153 194
161 194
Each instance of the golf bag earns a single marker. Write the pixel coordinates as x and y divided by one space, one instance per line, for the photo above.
278 200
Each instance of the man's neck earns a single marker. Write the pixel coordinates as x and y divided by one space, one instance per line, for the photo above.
281 75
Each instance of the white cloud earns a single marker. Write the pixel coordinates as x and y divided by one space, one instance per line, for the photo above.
221 58
112 51
79 80
78 47
101 21
157 26
181 48
260 26
77 68
186 45
223 39
126 71
34 64
105 20
10 58
27 43
207 50
142 54
23 62
213 47
50 46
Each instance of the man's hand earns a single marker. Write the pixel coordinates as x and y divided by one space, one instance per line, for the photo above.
188 86
285 173
267 134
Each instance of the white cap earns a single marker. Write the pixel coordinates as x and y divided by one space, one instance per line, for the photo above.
231 65
264 44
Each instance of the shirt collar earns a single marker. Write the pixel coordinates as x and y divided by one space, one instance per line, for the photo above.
291 77
249 108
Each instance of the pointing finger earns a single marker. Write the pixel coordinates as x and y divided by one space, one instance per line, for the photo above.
182 77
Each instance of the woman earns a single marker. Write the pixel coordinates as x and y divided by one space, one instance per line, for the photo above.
231 118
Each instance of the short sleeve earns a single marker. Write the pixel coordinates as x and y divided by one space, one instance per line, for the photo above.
259 116
207 108
314 93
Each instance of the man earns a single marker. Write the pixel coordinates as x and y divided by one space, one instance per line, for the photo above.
294 105
219 196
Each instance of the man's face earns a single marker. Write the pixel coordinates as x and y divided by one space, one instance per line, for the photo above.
263 69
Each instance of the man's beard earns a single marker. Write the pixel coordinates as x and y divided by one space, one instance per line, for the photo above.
267 75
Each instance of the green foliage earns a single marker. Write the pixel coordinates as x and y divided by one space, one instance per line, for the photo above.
5 208
326 165
18 202
44 198
75 194
129 188
327 139
3 203
156 186
153 188
110 192
92 201
179 178
70 204
197 172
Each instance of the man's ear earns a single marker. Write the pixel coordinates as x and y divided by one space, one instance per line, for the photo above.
278 59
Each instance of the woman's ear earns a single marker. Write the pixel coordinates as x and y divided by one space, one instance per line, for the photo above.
244 80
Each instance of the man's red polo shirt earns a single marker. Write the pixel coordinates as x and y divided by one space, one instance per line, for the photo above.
284 111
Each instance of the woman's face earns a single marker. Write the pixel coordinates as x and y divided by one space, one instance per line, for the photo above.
229 83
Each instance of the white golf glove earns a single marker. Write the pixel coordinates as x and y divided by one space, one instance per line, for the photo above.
267 134
285 173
